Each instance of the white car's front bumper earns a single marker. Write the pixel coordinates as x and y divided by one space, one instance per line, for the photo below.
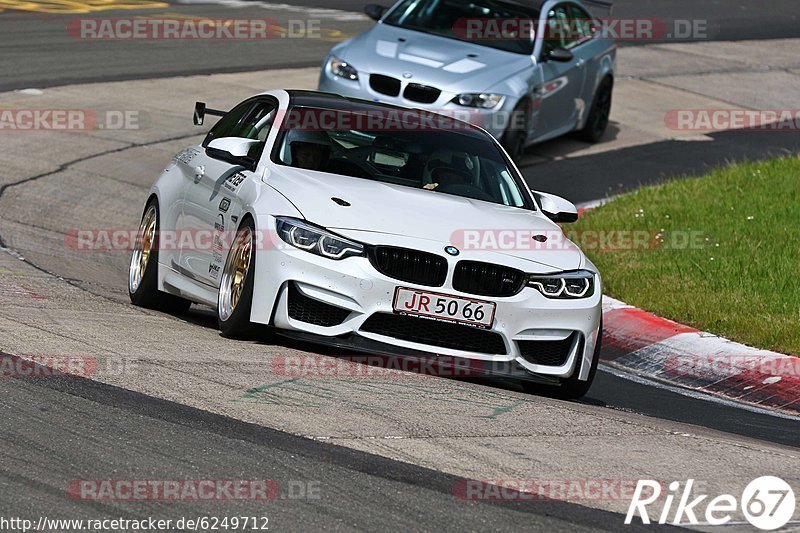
297 291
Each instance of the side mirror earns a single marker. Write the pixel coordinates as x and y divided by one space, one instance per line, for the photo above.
374 11
233 150
556 208
560 55
200 112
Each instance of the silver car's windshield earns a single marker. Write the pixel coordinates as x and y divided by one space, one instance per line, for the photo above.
497 24
432 153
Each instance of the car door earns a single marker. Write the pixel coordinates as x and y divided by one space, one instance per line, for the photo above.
212 206
562 81
591 50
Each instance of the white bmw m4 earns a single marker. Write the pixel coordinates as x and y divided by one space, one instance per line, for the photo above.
372 228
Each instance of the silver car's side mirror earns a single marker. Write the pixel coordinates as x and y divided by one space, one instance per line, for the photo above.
561 55
555 207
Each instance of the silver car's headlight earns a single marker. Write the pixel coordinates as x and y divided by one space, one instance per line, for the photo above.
564 285
482 100
316 240
343 69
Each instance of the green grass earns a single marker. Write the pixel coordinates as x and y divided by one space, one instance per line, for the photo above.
741 277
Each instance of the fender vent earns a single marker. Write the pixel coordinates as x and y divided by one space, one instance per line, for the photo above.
312 311
547 353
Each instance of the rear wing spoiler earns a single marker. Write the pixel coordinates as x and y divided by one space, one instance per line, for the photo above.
600 4
200 112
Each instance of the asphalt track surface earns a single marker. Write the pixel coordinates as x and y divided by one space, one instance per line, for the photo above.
92 426
56 430
36 46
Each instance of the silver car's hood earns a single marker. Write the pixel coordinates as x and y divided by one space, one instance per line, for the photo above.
456 66
397 210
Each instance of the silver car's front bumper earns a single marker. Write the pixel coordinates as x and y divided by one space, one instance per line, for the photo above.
495 120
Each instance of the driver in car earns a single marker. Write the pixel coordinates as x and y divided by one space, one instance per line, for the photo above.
310 156
448 176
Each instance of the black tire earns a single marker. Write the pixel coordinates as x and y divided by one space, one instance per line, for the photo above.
145 293
516 133
571 388
237 324
597 121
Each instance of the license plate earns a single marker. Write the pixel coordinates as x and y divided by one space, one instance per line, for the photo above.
443 307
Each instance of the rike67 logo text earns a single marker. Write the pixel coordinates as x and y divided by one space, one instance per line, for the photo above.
767 503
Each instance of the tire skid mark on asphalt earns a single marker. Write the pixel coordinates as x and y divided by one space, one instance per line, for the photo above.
301 393
62 167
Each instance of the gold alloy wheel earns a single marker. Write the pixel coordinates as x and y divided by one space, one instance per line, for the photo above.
143 249
234 274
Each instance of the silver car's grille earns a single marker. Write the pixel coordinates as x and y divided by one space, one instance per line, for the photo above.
421 93
384 84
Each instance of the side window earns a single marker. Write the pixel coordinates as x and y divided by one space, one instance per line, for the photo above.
250 120
561 29
256 122
582 22
226 126
257 126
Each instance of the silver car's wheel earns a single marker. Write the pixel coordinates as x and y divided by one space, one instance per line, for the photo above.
142 249
517 133
597 121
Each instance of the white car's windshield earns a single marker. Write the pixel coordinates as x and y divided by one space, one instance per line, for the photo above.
500 25
381 146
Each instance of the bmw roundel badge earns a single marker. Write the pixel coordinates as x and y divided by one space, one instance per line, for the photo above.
452 250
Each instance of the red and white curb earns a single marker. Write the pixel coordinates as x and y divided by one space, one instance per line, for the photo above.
643 344
649 346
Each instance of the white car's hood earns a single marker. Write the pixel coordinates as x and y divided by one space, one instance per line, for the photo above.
398 210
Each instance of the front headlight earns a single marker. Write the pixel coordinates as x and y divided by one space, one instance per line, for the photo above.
343 69
482 100
316 240
564 285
